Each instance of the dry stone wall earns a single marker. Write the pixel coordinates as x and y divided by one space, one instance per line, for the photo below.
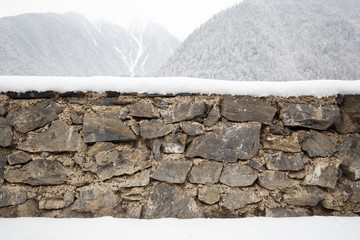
183 156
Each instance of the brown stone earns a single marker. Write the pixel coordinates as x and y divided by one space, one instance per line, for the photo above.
324 174
282 143
18 157
77 117
6 134
143 110
206 172
209 195
349 115
57 202
275 180
285 162
174 143
283 212
278 130
349 153
319 145
137 180
172 172
304 196
192 128
185 111
100 147
237 199
154 129
11 197
238 175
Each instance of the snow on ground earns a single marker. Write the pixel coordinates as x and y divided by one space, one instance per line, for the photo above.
304 228
318 88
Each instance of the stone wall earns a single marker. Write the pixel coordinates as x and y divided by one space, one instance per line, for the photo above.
184 156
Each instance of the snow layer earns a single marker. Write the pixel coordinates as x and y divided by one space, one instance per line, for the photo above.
318 88
246 228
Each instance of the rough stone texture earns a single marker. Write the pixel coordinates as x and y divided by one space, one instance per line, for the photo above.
174 143
238 175
310 116
106 129
172 172
228 143
30 94
192 128
282 143
209 195
212 118
6 134
349 115
154 129
275 180
143 110
12 197
60 137
3 110
336 199
278 130
324 174
38 172
3 162
185 111
99 147
27 119
205 173
166 201
355 196
349 153
57 202
284 162
256 165
18 157
155 147
238 199
319 145
247 110
138 180
77 117
283 212
304 196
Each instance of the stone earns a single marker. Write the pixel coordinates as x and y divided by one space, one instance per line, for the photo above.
324 174
154 129
349 153
141 179
38 172
185 111
6 134
3 110
237 199
282 143
57 202
213 117
12 197
155 147
108 102
160 104
349 115
297 175
206 172
60 137
283 162
256 165
336 199
355 196
174 143
228 143
238 175
100 147
77 117
27 119
172 172
278 130
134 212
272 180
319 145
209 195
143 110
192 128
3 162
310 116
18 157
122 115
286 213
304 196
30 94
247 110
167 201
106 129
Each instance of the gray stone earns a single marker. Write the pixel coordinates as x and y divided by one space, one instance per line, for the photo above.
106 129
355 196
3 110
166 201
256 166
337 199
304 196
284 162
319 145
154 129
174 143
275 180
349 115
212 118
134 212
324 174
192 128
108 102
228 143
12 197
18 157
238 175
160 104
206 172
57 202
283 212
172 172
282 143
60 137
247 110
77 117
121 114
3 162
143 110
209 195
27 119
349 153
310 116
155 147
6 134
278 130
141 179
38 172
185 111
100 147
297 175
237 199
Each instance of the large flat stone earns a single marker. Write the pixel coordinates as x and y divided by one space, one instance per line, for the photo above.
106 129
349 115
228 143
154 129
349 152
6 134
324 174
172 172
310 116
247 110
304 196
237 199
143 110
60 137
18 157
27 119
192 128
275 180
285 162
319 145
238 175
12 197
38 172
185 111
206 172
282 143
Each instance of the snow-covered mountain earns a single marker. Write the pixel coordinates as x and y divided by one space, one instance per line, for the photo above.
70 45
273 40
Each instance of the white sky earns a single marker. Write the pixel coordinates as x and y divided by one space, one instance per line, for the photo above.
180 17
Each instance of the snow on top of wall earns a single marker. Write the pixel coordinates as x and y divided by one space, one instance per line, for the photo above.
174 85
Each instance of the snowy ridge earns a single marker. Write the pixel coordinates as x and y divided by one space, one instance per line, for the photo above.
175 85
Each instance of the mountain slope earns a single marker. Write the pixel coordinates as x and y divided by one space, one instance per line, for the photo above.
274 40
